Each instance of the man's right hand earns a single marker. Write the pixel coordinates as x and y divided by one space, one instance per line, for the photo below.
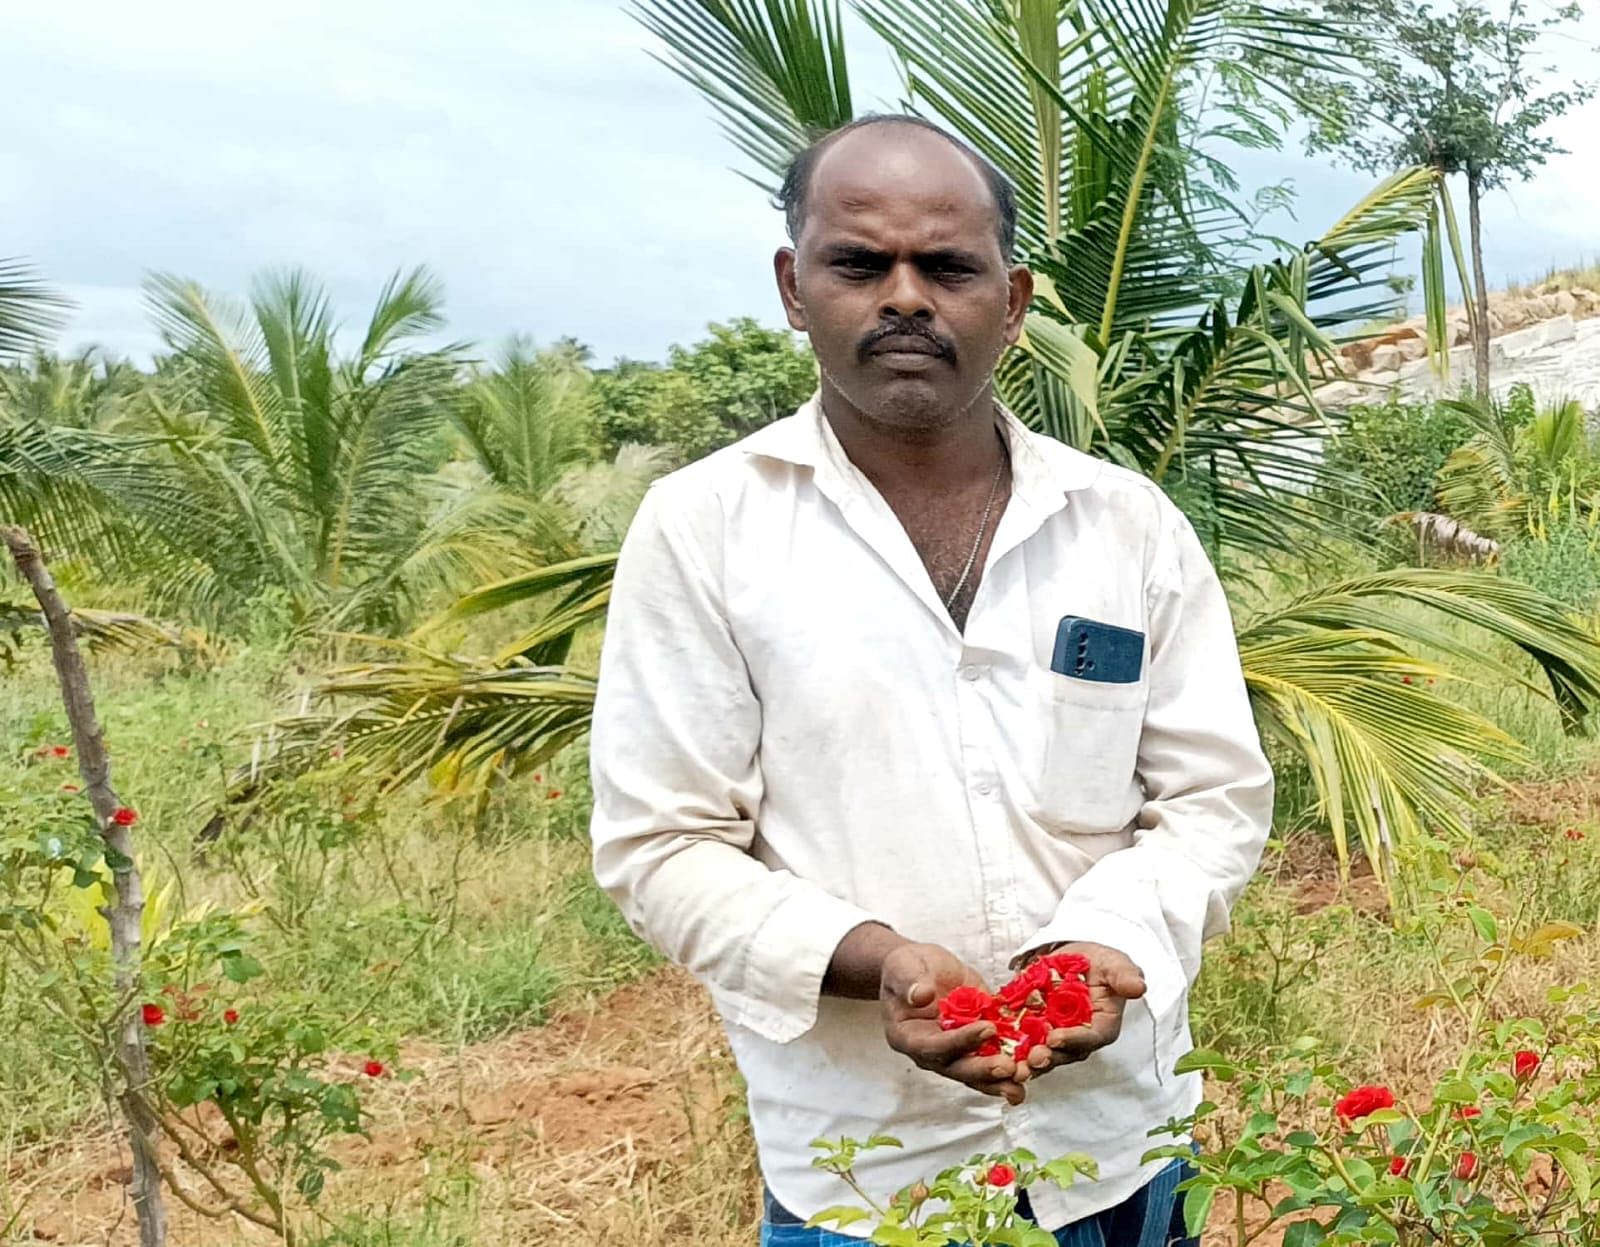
914 978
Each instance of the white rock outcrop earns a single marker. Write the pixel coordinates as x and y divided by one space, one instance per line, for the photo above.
1548 341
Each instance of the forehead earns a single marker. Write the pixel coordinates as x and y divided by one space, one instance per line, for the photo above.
900 184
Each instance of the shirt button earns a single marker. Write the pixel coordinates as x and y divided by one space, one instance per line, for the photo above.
985 788
971 671
1002 904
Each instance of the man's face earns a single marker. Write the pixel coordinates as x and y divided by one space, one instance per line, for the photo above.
898 279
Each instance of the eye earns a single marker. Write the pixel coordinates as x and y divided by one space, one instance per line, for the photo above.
855 269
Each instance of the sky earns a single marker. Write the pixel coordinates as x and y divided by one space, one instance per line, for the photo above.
531 152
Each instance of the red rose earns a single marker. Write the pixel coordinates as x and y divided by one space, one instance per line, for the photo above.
1362 1102
989 1047
153 1014
1397 1165
1069 1004
966 1005
59 751
1466 1166
1032 1031
122 816
1468 1113
1067 965
230 1016
373 1069
1001 1175
1524 1064
1014 995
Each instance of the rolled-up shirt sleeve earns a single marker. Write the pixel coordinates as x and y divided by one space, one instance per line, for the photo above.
1208 788
675 762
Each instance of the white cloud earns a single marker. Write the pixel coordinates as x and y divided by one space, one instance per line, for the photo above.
530 151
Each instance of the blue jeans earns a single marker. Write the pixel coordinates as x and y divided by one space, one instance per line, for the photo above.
1151 1217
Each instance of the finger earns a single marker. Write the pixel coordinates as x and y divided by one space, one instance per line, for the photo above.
923 1041
990 1075
921 993
1118 972
1080 1042
982 1069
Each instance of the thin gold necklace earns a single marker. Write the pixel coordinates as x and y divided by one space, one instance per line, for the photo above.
983 525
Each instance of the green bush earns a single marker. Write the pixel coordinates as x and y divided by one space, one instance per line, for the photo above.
1564 562
1393 451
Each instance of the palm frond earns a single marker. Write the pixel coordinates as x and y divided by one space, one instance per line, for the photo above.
530 419
30 311
454 717
1332 674
410 305
1388 757
774 70
433 713
228 354
113 631
1565 647
604 496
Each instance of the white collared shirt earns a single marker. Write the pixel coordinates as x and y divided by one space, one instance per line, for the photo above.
792 738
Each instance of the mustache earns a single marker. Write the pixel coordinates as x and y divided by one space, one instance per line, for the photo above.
905 327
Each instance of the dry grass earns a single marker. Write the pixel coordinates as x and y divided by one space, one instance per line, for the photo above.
1580 276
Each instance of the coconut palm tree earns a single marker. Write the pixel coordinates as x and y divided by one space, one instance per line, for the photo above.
530 426
310 474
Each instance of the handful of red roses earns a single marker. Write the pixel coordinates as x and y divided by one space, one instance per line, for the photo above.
1052 993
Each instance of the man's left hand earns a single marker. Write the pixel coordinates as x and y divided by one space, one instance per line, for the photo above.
1113 981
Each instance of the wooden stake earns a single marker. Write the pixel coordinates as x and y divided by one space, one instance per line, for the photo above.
127 910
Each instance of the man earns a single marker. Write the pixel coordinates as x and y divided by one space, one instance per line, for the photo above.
840 767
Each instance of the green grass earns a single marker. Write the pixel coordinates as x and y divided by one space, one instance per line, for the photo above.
438 921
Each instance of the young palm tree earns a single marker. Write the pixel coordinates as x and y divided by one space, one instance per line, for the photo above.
308 473
531 427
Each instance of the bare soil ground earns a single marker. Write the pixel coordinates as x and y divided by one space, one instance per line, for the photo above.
622 1120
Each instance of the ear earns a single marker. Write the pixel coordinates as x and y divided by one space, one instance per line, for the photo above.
1021 280
783 267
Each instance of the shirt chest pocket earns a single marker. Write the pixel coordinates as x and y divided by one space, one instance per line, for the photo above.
1084 773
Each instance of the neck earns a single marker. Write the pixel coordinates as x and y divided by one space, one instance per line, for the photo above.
951 455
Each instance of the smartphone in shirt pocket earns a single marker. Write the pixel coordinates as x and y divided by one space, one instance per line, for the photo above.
1093 702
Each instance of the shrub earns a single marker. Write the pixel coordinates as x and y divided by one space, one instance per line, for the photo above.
1393 451
1564 562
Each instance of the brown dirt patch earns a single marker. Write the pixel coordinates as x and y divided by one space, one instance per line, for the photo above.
1309 867
581 1128
1556 804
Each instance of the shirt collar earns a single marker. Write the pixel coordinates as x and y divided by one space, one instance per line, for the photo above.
1043 470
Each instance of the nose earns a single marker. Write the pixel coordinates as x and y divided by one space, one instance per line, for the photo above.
905 295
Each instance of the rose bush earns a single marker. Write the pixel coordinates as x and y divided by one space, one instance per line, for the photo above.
972 1203
1500 1150
246 1086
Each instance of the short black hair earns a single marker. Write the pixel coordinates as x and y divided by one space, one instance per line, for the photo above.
791 196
